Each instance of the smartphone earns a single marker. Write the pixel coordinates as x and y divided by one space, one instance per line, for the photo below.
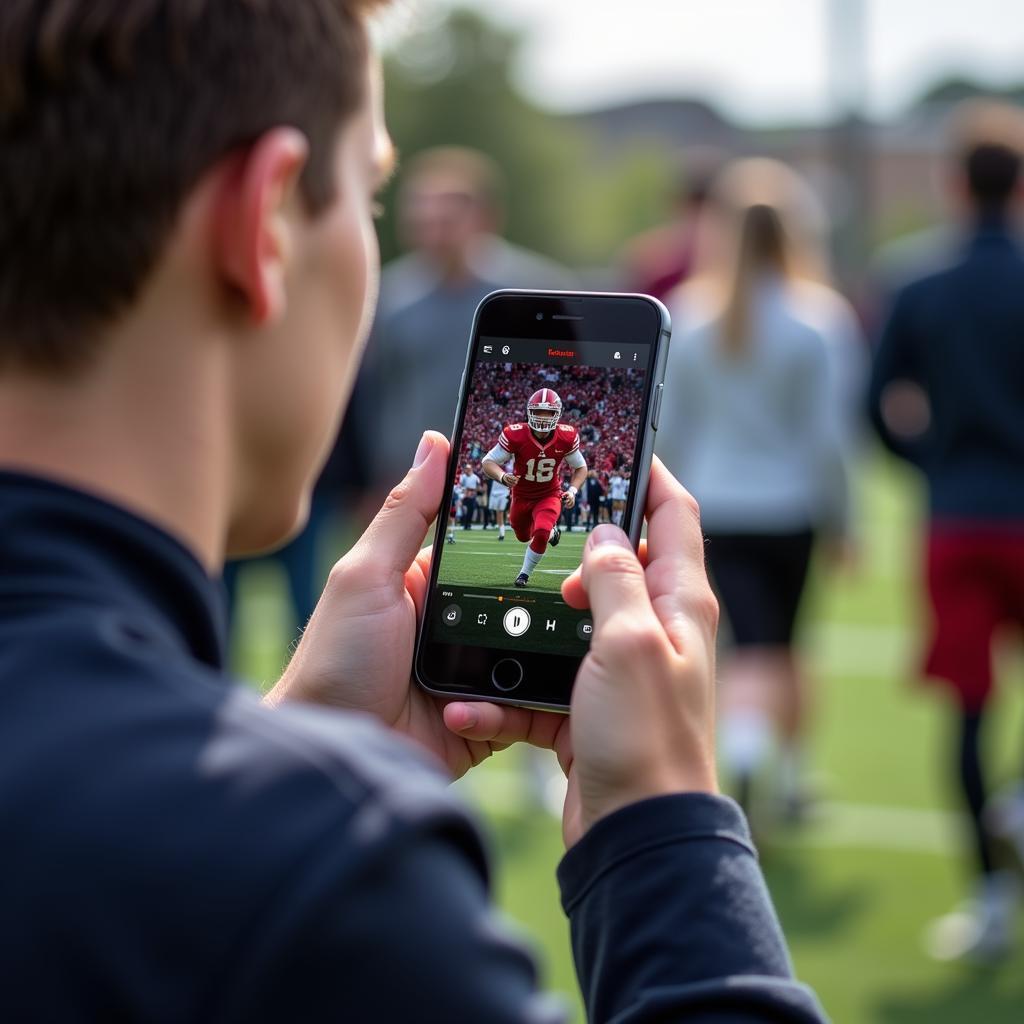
554 432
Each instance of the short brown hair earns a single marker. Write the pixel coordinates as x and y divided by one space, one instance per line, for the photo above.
478 172
987 143
110 113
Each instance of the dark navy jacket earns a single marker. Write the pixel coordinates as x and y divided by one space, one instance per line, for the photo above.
173 850
959 334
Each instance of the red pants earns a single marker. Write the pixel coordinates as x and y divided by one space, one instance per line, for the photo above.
533 521
976 587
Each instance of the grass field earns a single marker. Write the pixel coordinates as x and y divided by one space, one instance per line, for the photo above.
855 888
478 558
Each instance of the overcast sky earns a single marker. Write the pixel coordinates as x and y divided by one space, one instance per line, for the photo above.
760 60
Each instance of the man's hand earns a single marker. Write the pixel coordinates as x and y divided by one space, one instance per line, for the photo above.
642 720
643 705
510 480
356 653
568 499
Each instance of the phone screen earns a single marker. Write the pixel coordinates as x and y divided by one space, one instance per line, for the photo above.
550 414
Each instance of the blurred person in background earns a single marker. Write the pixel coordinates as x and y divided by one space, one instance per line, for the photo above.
947 395
618 486
498 499
570 513
593 493
760 407
470 484
911 257
450 206
658 261
454 512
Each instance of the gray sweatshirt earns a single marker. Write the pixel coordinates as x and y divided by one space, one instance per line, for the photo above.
764 440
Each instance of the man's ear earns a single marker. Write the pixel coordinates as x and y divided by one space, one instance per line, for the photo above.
254 228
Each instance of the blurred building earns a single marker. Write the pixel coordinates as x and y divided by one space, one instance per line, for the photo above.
902 166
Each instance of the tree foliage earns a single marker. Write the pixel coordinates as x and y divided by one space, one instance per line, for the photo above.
452 83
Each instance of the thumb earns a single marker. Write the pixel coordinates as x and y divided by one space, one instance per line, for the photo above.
613 577
399 528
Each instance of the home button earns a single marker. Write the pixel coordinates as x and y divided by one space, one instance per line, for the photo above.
507 674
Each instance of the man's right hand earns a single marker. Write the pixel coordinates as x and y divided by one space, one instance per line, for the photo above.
642 716
642 719
510 479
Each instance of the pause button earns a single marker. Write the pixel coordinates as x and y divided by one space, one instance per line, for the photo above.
516 621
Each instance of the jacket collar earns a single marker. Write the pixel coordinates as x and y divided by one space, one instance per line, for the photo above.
60 544
992 228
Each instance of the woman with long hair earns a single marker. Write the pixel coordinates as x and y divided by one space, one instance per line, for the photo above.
759 412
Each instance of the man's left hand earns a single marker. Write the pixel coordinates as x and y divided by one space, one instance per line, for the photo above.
568 499
356 652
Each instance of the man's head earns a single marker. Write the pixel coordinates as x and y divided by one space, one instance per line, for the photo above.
206 166
987 143
449 197
543 411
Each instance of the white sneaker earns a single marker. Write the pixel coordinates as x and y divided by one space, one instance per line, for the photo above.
980 929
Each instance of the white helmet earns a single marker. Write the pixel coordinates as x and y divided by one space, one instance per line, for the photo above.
547 402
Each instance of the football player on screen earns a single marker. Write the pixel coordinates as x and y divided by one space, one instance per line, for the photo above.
537 449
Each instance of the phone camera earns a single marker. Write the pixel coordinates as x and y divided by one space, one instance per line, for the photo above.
540 316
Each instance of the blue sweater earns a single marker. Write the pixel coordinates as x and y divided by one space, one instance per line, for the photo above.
959 335
175 851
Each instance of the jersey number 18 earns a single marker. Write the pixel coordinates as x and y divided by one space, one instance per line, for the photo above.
540 471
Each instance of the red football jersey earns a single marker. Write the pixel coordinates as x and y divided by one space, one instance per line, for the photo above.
537 464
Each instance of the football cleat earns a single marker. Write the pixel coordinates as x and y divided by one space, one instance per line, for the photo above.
501 536
556 536
543 410
522 579
451 539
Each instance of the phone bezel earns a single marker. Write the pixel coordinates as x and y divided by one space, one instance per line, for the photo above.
462 671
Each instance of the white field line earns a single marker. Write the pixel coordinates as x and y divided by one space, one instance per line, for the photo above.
507 554
835 825
475 544
878 652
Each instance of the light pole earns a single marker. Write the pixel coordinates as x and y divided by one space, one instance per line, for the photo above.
850 139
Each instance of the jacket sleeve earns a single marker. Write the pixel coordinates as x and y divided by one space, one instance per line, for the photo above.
671 919
411 936
847 373
895 360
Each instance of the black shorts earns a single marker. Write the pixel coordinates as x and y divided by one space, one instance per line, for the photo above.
759 579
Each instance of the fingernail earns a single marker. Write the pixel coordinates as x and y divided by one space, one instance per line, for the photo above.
471 719
606 533
426 443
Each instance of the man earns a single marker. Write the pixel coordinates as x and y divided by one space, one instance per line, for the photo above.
470 484
454 511
450 218
660 259
570 512
618 487
187 259
947 394
497 501
537 449
594 494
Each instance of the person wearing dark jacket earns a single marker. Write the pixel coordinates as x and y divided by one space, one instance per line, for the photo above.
594 493
187 256
947 395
